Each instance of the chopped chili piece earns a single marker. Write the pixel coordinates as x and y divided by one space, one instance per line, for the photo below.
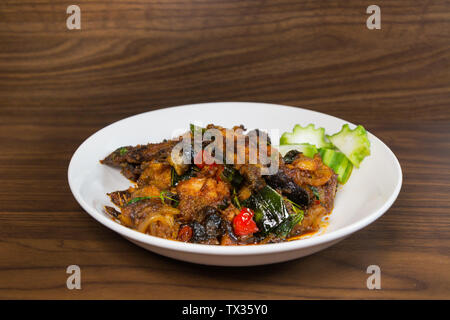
243 223
202 157
185 233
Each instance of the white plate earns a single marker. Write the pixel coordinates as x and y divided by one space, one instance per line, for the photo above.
370 191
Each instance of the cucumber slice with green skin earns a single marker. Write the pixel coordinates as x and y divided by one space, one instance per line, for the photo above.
308 134
353 143
307 149
338 162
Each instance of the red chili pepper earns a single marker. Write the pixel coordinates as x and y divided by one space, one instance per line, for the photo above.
198 159
316 201
212 165
243 223
201 157
185 233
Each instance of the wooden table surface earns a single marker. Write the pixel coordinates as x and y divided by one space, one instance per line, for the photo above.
57 87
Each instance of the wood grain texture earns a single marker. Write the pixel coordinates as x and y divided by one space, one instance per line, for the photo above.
57 87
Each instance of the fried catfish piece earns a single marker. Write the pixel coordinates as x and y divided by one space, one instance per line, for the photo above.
327 193
120 198
133 160
151 216
131 171
318 207
157 174
143 210
311 221
197 193
140 153
306 171
212 228
252 176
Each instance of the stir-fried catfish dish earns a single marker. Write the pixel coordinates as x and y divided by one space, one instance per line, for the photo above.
206 200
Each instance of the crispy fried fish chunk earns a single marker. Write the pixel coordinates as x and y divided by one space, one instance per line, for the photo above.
197 193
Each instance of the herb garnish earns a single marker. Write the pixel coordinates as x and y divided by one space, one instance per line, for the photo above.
315 191
235 199
162 196
297 209
122 151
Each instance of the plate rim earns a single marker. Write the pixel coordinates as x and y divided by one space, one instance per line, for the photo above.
233 250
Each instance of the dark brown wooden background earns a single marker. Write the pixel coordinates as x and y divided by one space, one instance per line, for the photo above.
57 87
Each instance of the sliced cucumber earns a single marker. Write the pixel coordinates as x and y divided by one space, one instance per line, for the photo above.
338 162
353 143
307 149
308 134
